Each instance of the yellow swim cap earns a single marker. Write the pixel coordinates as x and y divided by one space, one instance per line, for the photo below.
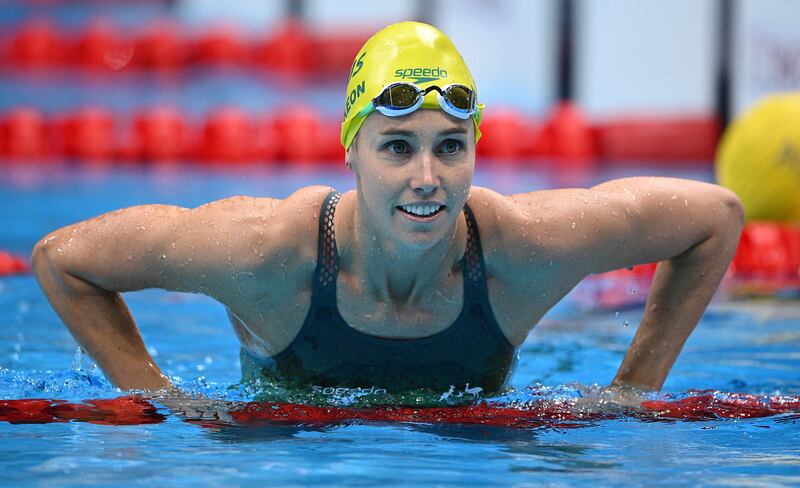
409 52
759 158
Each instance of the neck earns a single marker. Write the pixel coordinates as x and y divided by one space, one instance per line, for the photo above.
390 270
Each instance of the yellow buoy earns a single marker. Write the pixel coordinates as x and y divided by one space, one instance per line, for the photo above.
759 158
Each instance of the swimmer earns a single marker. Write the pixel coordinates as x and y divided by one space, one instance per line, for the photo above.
415 279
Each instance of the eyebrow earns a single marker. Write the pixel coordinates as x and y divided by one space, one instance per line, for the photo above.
397 132
407 133
454 130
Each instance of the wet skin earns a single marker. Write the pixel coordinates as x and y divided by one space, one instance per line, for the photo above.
399 273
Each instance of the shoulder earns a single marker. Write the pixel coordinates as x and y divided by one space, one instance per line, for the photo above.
521 235
499 219
301 201
259 230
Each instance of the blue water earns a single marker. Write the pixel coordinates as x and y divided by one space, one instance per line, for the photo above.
742 346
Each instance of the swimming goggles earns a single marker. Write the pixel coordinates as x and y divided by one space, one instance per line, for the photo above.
402 98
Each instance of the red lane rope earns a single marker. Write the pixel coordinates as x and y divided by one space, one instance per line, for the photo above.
300 134
104 48
294 53
227 135
136 410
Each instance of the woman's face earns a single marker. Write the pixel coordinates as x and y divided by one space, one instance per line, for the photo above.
413 174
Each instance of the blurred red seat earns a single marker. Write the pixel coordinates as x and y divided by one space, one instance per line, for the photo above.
159 134
219 46
160 47
88 134
227 137
301 133
23 134
38 44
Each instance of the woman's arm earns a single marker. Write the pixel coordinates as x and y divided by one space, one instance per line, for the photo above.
99 321
691 228
682 287
83 269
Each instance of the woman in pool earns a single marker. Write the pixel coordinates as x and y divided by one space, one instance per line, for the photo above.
416 279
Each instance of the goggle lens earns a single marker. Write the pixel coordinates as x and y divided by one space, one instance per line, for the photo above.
459 97
399 96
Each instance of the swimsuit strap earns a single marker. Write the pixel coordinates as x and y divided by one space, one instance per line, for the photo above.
327 268
475 289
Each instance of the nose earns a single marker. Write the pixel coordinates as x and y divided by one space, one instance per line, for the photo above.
425 180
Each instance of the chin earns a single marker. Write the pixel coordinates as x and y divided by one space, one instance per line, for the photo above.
421 241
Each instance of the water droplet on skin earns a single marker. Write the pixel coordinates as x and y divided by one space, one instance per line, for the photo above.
674 197
573 225
616 314
163 256
686 203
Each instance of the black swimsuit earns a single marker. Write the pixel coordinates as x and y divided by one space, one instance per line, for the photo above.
328 353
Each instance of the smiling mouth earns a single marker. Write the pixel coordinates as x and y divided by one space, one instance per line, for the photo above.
421 211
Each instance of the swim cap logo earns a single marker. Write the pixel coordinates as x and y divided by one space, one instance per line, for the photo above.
421 75
359 89
354 95
357 64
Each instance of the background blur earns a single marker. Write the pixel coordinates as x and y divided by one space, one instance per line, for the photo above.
257 81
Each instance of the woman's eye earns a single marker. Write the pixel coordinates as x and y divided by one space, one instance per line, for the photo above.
450 146
398 147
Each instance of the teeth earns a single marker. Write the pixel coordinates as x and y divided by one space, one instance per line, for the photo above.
421 210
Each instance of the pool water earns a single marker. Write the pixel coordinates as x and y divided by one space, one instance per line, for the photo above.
739 346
